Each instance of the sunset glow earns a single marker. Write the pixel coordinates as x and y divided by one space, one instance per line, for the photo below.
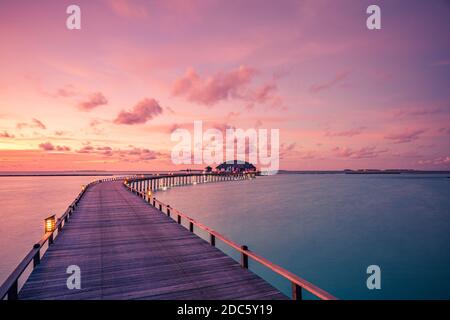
108 96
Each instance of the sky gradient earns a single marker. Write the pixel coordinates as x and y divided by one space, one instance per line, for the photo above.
107 97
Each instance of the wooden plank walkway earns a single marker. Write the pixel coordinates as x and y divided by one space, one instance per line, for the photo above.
127 249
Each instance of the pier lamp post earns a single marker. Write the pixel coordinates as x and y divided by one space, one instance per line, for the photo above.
83 187
50 224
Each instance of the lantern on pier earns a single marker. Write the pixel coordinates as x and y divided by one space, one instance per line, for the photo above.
50 224
83 187
149 193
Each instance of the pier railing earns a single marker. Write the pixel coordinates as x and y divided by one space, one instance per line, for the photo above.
142 186
10 287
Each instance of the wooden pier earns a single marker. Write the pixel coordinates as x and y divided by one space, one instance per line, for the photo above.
129 245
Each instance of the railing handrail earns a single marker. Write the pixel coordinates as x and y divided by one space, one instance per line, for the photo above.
12 281
308 286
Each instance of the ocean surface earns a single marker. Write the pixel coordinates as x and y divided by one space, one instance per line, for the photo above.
25 201
326 228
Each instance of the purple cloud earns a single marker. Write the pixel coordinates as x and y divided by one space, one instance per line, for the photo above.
405 137
144 111
86 149
211 90
48 146
95 100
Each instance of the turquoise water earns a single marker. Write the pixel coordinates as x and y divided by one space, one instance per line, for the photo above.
326 228
329 228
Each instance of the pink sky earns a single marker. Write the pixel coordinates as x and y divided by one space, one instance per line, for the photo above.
106 97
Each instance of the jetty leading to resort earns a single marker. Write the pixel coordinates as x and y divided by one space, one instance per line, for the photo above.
129 245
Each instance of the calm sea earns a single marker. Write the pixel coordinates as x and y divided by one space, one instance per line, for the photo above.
326 228
24 204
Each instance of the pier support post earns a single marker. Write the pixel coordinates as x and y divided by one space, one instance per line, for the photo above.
191 226
212 239
296 292
13 291
168 211
179 219
37 256
244 257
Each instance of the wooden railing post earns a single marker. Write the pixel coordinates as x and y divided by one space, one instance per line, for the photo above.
244 257
50 239
37 256
296 292
298 284
13 291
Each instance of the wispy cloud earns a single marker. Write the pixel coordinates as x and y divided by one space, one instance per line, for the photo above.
405 137
361 153
6 134
130 154
48 146
421 111
85 149
436 161
142 112
346 133
35 123
65 92
329 83
95 100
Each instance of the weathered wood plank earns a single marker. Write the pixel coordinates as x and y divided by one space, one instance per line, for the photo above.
129 250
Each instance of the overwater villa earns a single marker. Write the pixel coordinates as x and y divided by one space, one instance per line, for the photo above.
235 166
